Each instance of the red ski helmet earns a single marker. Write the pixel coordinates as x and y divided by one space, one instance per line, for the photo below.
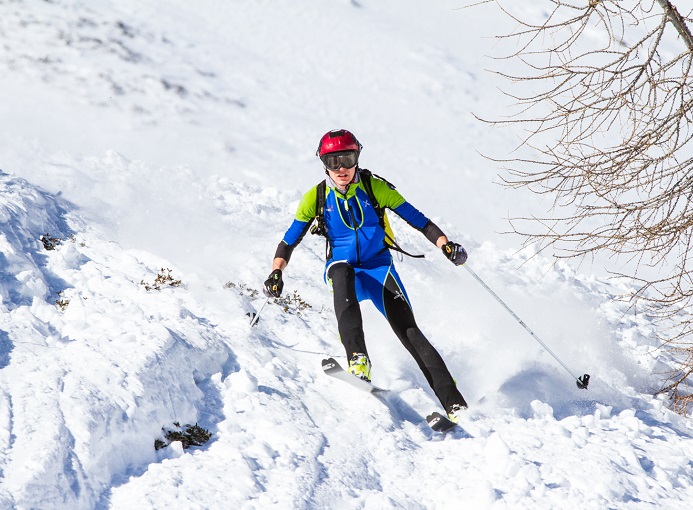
338 140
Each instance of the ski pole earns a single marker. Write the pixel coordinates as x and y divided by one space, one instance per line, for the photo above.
581 382
257 315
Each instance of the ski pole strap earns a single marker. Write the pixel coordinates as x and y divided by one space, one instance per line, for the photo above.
396 247
581 382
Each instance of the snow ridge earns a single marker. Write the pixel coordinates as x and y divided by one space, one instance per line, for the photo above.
85 391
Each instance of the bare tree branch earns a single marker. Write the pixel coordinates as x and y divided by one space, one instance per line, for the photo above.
678 21
608 110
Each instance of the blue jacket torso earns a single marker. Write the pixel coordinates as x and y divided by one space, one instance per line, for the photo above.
353 227
352 224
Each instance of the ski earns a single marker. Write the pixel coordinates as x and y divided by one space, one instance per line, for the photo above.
440 423
332 368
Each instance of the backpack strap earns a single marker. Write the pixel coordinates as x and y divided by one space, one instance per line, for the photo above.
318 227
366 176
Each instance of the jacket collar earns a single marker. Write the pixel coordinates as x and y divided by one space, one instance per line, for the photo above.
351 187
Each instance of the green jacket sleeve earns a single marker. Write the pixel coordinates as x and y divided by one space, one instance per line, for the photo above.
307 206
385 195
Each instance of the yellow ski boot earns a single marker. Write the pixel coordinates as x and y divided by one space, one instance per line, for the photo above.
360 366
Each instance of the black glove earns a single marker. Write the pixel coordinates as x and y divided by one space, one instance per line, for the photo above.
455 253
274 284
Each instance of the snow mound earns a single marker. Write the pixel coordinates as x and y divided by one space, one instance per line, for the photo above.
85 390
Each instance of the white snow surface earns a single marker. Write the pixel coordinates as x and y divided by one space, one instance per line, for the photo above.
179 137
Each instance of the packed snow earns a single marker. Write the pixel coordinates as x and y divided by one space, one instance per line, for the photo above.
151 159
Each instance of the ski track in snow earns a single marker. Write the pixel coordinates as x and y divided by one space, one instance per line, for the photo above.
140 139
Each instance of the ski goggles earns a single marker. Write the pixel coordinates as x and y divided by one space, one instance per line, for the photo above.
335 160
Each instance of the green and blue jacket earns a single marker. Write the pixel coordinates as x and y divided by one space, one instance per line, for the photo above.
354 232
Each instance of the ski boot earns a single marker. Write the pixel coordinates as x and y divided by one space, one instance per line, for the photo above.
360 366
455 412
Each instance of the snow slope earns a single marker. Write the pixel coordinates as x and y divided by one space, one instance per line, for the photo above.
150 139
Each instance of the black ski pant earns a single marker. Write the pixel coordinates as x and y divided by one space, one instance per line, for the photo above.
401 318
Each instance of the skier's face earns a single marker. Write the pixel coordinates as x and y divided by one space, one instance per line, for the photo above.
343 176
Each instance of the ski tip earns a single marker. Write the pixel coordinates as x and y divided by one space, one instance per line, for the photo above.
439 423
329 363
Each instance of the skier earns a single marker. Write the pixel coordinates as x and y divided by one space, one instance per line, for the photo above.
359 263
